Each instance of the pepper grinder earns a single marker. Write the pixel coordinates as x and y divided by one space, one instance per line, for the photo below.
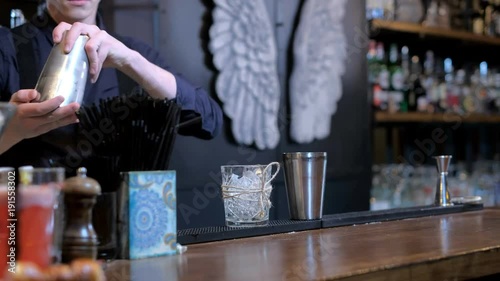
79 237
442 195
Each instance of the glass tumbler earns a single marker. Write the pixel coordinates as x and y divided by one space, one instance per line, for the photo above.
246 191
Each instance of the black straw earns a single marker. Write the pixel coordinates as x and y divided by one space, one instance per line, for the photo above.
141 141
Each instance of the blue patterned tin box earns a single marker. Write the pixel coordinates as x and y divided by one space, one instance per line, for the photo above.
147 222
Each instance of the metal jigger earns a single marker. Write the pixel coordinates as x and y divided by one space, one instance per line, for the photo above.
442 194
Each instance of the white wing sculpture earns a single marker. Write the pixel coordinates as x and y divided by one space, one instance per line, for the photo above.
319 58
244 51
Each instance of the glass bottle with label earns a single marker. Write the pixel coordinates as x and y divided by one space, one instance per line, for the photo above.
448 99
461 88
430 82
373 63
396 79
482 89
470 101
417 99
496 100
405 67
381 93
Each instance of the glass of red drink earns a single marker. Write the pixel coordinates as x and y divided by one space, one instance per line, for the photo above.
40 215
7 206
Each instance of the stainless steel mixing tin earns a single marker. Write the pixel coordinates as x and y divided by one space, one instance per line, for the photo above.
65 74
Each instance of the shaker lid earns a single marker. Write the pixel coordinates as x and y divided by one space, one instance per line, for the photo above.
81 184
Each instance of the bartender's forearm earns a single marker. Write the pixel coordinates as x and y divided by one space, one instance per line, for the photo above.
158 82
8 140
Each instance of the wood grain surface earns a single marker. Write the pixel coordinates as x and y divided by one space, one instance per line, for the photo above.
449 247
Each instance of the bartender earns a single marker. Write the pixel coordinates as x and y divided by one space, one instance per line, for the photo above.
41 133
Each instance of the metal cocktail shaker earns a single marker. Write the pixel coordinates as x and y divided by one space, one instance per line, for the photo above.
65 74
305 183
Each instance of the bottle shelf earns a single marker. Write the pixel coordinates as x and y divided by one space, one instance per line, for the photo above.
418 117
383 26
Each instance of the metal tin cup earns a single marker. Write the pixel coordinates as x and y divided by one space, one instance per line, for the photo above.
305 183
65 74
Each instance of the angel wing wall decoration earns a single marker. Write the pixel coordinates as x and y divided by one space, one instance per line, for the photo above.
244 51
319 62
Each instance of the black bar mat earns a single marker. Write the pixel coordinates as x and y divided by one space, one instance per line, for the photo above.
394 214
216 233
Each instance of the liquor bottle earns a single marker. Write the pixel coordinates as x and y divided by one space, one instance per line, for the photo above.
373 64
461 89
431 13
478 21
383 87
470 101
447 98
466 15
443 15
396 79
487 16
481 93
413 82
496 100
430 82
495 18
405 68
440 88
454 85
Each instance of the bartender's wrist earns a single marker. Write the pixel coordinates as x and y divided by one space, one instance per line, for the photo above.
158 82
130 59
9 139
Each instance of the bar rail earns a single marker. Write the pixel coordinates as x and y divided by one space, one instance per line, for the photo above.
217 233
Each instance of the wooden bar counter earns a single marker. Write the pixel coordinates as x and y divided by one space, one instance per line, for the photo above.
449 247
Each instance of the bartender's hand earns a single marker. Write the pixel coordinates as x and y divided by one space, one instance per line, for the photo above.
34 119
103 50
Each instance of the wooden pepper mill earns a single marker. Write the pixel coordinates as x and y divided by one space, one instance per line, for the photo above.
79 237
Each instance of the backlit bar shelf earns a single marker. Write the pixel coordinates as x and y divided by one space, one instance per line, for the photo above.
384 26
418 117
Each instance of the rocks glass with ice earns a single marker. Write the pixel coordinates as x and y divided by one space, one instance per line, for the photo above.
246 191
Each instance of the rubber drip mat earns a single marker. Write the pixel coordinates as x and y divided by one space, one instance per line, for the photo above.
394 214
217 233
